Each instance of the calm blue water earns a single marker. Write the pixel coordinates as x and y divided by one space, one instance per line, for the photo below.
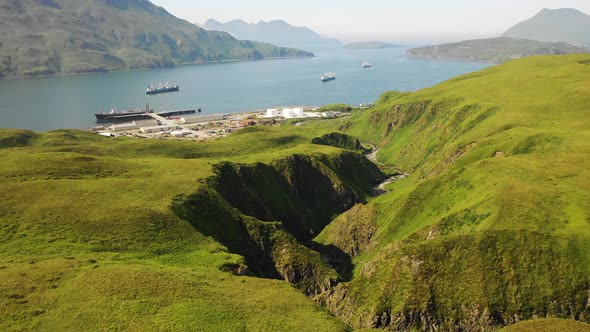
70 102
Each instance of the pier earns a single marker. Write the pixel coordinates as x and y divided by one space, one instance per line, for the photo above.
161 120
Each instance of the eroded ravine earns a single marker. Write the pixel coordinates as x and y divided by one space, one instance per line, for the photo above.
269 214
397 176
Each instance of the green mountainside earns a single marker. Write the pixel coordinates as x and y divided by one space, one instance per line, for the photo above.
494 50
552 25
129 234
493 224
265 231
48 37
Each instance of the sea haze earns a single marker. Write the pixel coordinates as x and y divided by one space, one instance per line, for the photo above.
70 102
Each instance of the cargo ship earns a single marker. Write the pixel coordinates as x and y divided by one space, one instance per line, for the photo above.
328 77
127 115
162 88
115 116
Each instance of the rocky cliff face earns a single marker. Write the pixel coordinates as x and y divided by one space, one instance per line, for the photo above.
269 213
340 140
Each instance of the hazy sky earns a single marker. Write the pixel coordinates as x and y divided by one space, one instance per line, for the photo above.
385 19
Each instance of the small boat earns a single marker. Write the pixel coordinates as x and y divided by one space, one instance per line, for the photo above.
366 65
162 88
328 77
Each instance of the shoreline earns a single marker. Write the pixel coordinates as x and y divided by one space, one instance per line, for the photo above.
416 57
200 129
152 69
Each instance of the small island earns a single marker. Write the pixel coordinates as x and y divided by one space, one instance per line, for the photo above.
370 45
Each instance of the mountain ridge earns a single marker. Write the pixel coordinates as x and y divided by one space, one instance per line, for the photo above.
554 25
52 37
277 32
551 31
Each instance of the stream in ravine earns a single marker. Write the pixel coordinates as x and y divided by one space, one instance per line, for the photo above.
380 188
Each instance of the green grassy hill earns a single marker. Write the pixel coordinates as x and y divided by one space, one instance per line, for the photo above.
493 50
71 36
128 234
492 226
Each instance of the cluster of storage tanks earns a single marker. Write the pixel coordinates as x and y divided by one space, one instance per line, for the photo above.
287 113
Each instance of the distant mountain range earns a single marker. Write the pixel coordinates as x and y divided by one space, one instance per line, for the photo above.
370 45
565 25
559 31
276 32
48 37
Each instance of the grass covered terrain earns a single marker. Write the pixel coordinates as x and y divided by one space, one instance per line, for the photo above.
490 228
89 240
492 225
548 325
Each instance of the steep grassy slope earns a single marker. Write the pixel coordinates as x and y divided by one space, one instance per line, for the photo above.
496 50
73 36
90 236
493 224
548 325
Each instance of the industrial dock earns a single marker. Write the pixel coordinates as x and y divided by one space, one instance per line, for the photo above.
188 125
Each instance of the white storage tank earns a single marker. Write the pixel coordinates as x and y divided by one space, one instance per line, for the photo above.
123 126
298 112
288 113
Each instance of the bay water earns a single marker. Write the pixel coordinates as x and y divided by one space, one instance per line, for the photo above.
50 103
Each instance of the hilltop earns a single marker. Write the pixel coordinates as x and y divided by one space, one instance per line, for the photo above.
276 32
495 50
259 230
559 31
555 25
70 37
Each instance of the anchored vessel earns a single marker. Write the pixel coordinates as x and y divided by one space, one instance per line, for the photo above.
139 114
127 115
328 77
366 65
162 88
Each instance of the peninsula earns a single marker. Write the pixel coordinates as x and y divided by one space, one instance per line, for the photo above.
550 32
